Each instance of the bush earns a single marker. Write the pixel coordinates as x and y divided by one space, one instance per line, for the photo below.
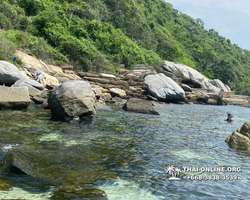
7 49
4 22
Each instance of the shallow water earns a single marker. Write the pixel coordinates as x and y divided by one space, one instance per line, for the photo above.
127 154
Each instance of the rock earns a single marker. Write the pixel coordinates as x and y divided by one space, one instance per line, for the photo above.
139 106
9 73
38 99
30 82
48 81
72 99
102 75
75 192
202 96
62 79
63 76
186 88
14 97
164 88
189 76
30 61
107 96
101 107
232 99
219 84
142 70
117 101
32 90
240 138
33 64
118 92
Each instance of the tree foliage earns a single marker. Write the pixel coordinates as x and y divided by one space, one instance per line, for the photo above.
102 34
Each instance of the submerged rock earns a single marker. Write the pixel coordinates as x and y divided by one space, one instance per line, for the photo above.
52 167
139 106
4 186
240 138
72 99
72 192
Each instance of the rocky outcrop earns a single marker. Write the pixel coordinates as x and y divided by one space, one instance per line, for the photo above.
201 96
139 106
130 83
164 88
32 64
72 99
217 83
36 90
230 98
9 73
125 84
240 138
189 76
14 97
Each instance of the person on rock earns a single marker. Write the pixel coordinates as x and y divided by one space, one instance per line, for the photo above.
100 99
38 76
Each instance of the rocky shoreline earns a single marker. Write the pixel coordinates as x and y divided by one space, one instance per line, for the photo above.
177 83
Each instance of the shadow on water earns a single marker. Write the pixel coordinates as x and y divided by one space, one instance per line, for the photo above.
121 155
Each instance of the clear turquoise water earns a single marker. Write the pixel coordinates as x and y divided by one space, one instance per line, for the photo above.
127 154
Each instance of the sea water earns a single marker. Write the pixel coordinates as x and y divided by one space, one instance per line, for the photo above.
127 155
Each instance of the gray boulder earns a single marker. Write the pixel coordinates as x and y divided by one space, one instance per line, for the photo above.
219 84
189 76
72 99
240 138
164 88
9 73
139 106
30 82
14 98
34 89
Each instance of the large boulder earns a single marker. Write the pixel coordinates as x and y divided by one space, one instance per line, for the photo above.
240 138
36 90
139 106
219 84
9 73
164 88
14 97
189 76
30 82
72 99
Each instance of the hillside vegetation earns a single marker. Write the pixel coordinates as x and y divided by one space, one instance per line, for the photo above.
101 35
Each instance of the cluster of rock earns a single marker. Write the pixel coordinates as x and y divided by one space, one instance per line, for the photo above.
71 96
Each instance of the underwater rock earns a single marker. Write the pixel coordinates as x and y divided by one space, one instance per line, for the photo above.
74 192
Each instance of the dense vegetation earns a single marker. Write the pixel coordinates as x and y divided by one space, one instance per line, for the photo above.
101 35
